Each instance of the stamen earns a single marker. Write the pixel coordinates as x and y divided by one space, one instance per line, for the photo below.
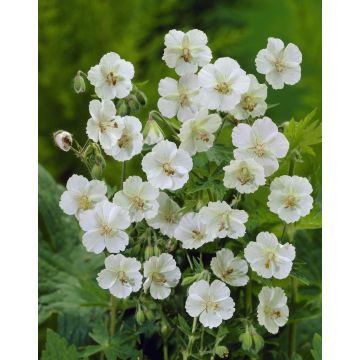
168 169
223 88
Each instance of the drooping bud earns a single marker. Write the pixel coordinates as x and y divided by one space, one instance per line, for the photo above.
63 140
121 108
139 316
79 83
246 339
141 98
222 351
152 132
157 251
257 339
133 103
149 252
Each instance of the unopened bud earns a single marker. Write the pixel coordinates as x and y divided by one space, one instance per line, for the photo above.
152 132
149 252
149 314
222 351
133 103
246 339
97 171
139 316
157 251
121 108
257 339
79 83
141 98
63 140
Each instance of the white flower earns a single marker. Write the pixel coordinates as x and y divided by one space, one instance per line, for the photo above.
152 132
223 221
130 142
230 269
268 257
246 175
112 77
63 140
222 84
197 134
139 198
104 227
181 98
211 302
192 232
280 66
252 102
81 194
262 142
186 51
290 197
161 274
168 217
121 276
272 311
166 166
103 126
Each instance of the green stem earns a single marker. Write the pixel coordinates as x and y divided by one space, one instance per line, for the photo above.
248 298
123 171
189 260
201 341
187 353
283 233
165 351
113 302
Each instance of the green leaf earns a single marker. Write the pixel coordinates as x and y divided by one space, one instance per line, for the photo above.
311 221
57 348
183 325
316 351
220 154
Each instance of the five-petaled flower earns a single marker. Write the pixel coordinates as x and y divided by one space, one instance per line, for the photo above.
166 166
139 198
121 276
262 142
268 257
81 194
186 51
104 228
112 77
290 197
211 302
161 274
280 65
272 311
230 269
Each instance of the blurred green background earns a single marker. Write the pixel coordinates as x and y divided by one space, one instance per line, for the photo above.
74 35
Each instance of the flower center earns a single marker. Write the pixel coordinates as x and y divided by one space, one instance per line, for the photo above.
122 277
223 88
227 272
111 79
290 201
272 313
170 218
259 150
123 141
248 103
138 202
168 169
279 65
244 176
186 54
270 257
184 99
197 235
84 202
211 306
203 136
159 278
105 230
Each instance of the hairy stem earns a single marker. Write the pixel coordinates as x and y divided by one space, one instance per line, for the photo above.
248 298
187 353
113 302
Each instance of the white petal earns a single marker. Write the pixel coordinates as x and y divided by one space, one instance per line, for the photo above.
106 278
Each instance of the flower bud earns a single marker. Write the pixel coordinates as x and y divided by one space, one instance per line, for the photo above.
152 132
79 83
133 103
121 108
63 140
157 251
149 314
257 339
149 252
141 98
139 316
97 171
246 339
222 351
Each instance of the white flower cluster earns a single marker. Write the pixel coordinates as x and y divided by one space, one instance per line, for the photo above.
196 100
